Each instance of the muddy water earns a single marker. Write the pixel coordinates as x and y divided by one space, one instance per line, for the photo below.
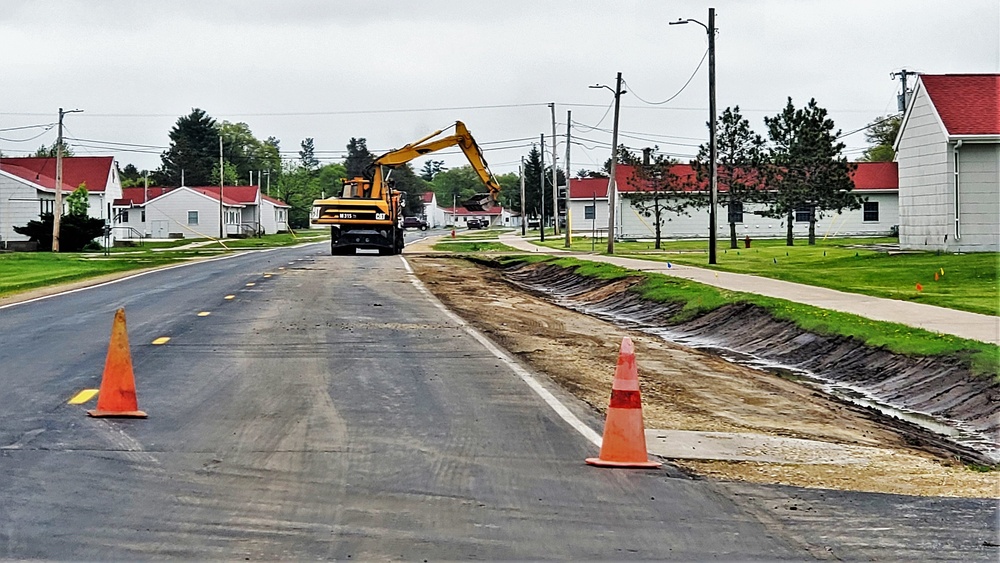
938 395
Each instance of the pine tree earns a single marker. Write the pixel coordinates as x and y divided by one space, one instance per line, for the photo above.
308 154
194 149
740 156
807 170
660 192
359 159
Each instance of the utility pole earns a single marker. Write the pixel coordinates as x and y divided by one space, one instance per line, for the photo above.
541 190
524 218
57 205
555 177
903 99
569 123
222 221
713 150
612 185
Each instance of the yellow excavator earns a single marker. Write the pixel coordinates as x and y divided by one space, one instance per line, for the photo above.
369 212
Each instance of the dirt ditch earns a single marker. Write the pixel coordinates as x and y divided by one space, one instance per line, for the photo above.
689 389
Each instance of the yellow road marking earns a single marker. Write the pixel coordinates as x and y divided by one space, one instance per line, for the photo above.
267 275
83 396
204 314
281 267
229 297
251 284
162 340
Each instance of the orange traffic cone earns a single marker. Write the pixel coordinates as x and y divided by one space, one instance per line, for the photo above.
624 443
117 394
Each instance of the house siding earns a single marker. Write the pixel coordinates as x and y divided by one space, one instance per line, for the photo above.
979 198
172 209
924 177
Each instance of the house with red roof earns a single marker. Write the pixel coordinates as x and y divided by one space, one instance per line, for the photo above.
195 211
28 188
876 181
948 152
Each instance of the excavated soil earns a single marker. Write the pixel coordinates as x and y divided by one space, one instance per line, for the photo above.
687 389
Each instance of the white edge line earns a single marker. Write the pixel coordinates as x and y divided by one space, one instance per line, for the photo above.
140 274
550 399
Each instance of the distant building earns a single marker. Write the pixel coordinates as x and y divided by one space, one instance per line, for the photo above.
28 188
948 151
876 181
194 212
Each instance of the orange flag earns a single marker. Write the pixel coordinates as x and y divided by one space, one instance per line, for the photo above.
920 287
935 276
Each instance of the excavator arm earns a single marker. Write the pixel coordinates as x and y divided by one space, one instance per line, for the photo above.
472 152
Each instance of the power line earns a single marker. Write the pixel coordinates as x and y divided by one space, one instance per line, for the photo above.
690 78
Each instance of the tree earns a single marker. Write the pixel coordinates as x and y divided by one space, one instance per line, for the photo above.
740 155
660 193
807 170
882 134
194 149
404 179
432 168
625 158
50 152
229 177
245 153
533 183
307 156
76 229
359 158
456 185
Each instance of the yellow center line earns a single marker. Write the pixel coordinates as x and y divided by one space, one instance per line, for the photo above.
204 314
162 340
83 396
229 297
267 276
251 284
281 267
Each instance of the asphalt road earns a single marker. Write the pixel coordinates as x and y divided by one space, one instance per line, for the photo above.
331 410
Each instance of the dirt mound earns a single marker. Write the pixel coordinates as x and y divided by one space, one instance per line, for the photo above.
942 387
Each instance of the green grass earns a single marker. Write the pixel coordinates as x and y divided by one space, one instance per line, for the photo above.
969 282
22 271
472 246
698 299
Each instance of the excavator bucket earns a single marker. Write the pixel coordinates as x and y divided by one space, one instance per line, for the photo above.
479 202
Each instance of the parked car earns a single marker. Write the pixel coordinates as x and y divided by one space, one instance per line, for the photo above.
414 223
475 223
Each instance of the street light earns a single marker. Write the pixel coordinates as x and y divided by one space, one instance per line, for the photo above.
614 162
712 151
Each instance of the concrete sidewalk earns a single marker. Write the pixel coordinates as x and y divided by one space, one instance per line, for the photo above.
984 328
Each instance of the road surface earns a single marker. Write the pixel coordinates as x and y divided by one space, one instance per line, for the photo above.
330 409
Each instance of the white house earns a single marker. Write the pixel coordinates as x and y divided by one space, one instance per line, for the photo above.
877 182
27 188
193 212
948 151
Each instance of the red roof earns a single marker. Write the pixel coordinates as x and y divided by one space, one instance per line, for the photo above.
236 194
95 171
275 201
226 197
867 176
137 196
968 104
428 197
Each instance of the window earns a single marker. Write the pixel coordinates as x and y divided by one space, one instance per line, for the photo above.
45 206
123 216
803 214
736 212
871 211
142 217
192 217
588 211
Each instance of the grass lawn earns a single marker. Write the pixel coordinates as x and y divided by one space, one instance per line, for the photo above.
21 271
699 299
966 282
472 246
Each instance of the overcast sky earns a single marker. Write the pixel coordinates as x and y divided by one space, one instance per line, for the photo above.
392 72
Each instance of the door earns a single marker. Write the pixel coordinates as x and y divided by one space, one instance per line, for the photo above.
160 228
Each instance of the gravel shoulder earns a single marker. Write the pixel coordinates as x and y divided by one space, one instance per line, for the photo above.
685 389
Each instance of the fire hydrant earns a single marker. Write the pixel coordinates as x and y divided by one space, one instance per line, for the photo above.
453 233
746 242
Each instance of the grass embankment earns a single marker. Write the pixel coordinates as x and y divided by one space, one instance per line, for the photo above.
473 241
22 271
966 282
699 299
